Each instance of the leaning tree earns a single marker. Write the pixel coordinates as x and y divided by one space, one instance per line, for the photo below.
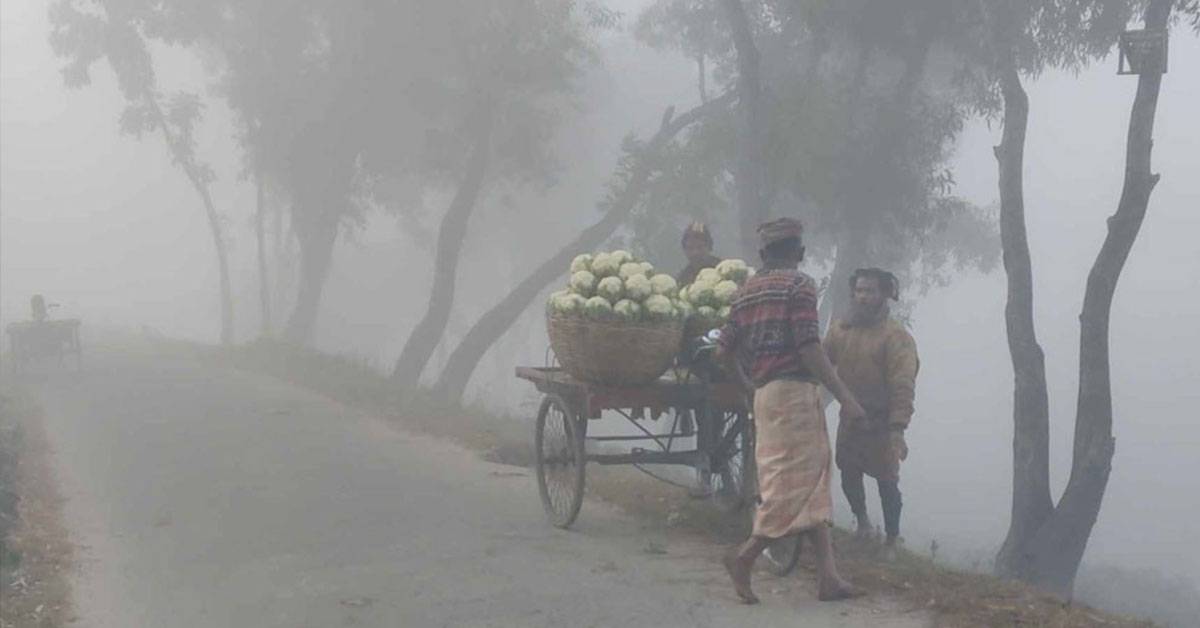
799 160
117 31
493 112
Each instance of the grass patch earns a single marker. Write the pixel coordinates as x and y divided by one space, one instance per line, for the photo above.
955 598
35 555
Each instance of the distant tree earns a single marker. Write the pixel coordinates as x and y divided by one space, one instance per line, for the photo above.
862 103
750 169
86 32
260 238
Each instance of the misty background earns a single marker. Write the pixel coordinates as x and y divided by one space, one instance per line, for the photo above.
106 226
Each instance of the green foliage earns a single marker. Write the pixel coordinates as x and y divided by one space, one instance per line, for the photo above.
864 103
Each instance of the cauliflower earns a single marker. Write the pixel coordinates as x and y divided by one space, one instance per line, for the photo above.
708 276
723 313
581 262
647 268
598 308
734 270
627 310
707 315
701 295
724 292
554 302
637 288
683 293
583 283
659 307
620 257
685 309
603 265
611 288
629 269
570 304
664 285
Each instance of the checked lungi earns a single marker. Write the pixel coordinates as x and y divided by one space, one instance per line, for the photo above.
793 457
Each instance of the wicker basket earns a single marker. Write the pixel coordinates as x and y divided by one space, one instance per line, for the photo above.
613 353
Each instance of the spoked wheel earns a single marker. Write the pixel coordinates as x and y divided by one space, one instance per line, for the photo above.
733 462
783 555
558 447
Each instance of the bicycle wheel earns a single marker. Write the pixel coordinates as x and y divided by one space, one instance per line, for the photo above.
733 456
559 455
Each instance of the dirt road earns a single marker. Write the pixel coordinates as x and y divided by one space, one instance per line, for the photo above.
206 498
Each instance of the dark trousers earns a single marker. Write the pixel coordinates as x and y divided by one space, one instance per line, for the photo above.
889 496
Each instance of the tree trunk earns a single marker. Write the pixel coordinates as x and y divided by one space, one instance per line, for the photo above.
851 254
1031 502
283 237
264 292
496 321
750 172
1050 558
214 219
862 196
317 237
425 337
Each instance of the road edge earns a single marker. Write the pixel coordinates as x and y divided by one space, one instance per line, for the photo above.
35 587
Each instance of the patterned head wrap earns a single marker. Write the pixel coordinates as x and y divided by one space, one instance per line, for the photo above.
697 230
779 229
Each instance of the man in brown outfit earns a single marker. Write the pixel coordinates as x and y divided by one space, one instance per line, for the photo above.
877 359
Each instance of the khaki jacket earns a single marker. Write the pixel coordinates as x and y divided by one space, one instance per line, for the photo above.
879 364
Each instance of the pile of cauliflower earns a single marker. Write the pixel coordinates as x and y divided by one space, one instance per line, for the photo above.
708 298
617 287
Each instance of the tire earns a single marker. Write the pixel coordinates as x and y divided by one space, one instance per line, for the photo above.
560 461
783 555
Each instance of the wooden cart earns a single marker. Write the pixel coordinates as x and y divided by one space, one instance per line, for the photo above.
32 340
715 413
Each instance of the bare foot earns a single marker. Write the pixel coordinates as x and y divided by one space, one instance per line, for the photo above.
832 591
740 574
864 531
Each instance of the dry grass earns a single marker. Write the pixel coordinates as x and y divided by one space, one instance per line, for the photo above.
37 556
956 599
961 599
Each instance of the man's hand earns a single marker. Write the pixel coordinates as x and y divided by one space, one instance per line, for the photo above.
853 413
898 444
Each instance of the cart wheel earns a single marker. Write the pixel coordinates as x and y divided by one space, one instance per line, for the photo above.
783 555
558 446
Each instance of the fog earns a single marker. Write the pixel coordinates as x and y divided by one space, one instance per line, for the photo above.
109 228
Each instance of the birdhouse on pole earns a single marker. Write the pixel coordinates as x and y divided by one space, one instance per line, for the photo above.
1142 52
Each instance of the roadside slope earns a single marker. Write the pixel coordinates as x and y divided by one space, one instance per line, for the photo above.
953 597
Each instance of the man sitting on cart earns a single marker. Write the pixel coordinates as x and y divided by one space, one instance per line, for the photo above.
697 245
773 329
